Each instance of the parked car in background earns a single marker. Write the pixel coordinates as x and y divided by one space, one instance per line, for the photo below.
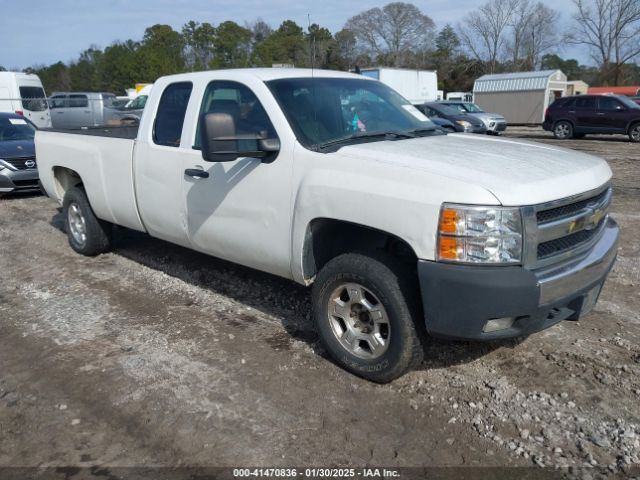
131 112
577 116
468 123
18 168
494 122
23 94
79 109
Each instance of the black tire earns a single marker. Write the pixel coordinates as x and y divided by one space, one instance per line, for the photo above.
396 289
634 133
449 129
97 233
563 130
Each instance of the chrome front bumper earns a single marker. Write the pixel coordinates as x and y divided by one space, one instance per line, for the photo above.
576 274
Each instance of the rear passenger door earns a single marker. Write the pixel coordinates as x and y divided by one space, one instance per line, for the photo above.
586 115
79 113
158 167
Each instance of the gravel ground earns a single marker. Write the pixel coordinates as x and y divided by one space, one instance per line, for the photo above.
157 355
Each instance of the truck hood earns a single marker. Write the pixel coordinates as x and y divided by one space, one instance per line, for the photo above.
516 172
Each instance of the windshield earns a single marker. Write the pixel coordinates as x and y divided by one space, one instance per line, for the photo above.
15 129
446 110
459 107
628 102
472 108
323 110
137 103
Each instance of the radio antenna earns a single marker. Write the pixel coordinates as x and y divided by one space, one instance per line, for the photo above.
313 64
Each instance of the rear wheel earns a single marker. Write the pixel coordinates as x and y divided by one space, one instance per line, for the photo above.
563 130
364 308
634 133
86 233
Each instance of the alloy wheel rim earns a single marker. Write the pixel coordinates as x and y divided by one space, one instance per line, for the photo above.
562 130
77 224
635 133
359 321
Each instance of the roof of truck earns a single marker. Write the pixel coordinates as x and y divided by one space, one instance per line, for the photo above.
266 74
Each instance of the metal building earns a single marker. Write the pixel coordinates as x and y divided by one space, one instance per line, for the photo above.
521 97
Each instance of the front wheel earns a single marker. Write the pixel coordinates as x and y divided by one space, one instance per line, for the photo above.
364 308
87 234
563 130
634 133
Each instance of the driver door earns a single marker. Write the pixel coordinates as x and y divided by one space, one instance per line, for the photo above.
240 210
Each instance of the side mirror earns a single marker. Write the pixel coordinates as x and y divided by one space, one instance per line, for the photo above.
620 108
220 141
217 137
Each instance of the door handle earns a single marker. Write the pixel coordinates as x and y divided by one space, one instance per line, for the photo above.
600 113
196 172
572 111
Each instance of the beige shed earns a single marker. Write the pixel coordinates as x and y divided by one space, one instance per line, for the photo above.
522 97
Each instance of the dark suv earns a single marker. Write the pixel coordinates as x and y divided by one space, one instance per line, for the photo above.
574 117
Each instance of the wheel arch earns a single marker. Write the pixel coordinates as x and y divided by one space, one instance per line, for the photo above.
65 179
326 238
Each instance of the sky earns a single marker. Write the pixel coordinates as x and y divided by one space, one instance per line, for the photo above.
49 31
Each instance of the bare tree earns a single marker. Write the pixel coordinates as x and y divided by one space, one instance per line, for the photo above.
518 31
533 33
393 30
541 35
484 31
611 30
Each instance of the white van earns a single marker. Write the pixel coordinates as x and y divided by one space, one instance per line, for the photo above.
22 93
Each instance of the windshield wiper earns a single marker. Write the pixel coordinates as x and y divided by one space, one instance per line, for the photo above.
390 135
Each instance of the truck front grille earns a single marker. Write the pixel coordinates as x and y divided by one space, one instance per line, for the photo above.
21 163
562 211
563 244
561 229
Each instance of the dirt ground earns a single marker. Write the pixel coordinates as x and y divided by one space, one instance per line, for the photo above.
155 355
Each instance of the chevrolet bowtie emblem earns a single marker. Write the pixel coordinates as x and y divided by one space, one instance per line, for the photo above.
588 222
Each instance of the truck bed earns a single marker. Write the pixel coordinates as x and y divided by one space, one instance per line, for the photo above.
129 132
102 157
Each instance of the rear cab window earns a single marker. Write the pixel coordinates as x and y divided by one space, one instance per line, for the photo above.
78 101
167 127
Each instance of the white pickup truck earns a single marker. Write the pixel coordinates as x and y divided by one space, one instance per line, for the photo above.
335 180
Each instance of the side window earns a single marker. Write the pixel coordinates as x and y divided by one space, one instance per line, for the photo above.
57 101
586 103
167 128
78 101
609 104
244 107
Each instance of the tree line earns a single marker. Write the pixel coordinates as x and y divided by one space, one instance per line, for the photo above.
499 36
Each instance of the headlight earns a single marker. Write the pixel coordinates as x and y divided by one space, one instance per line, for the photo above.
464 123
473 234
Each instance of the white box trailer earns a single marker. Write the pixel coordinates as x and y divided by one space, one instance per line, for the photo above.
417 86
